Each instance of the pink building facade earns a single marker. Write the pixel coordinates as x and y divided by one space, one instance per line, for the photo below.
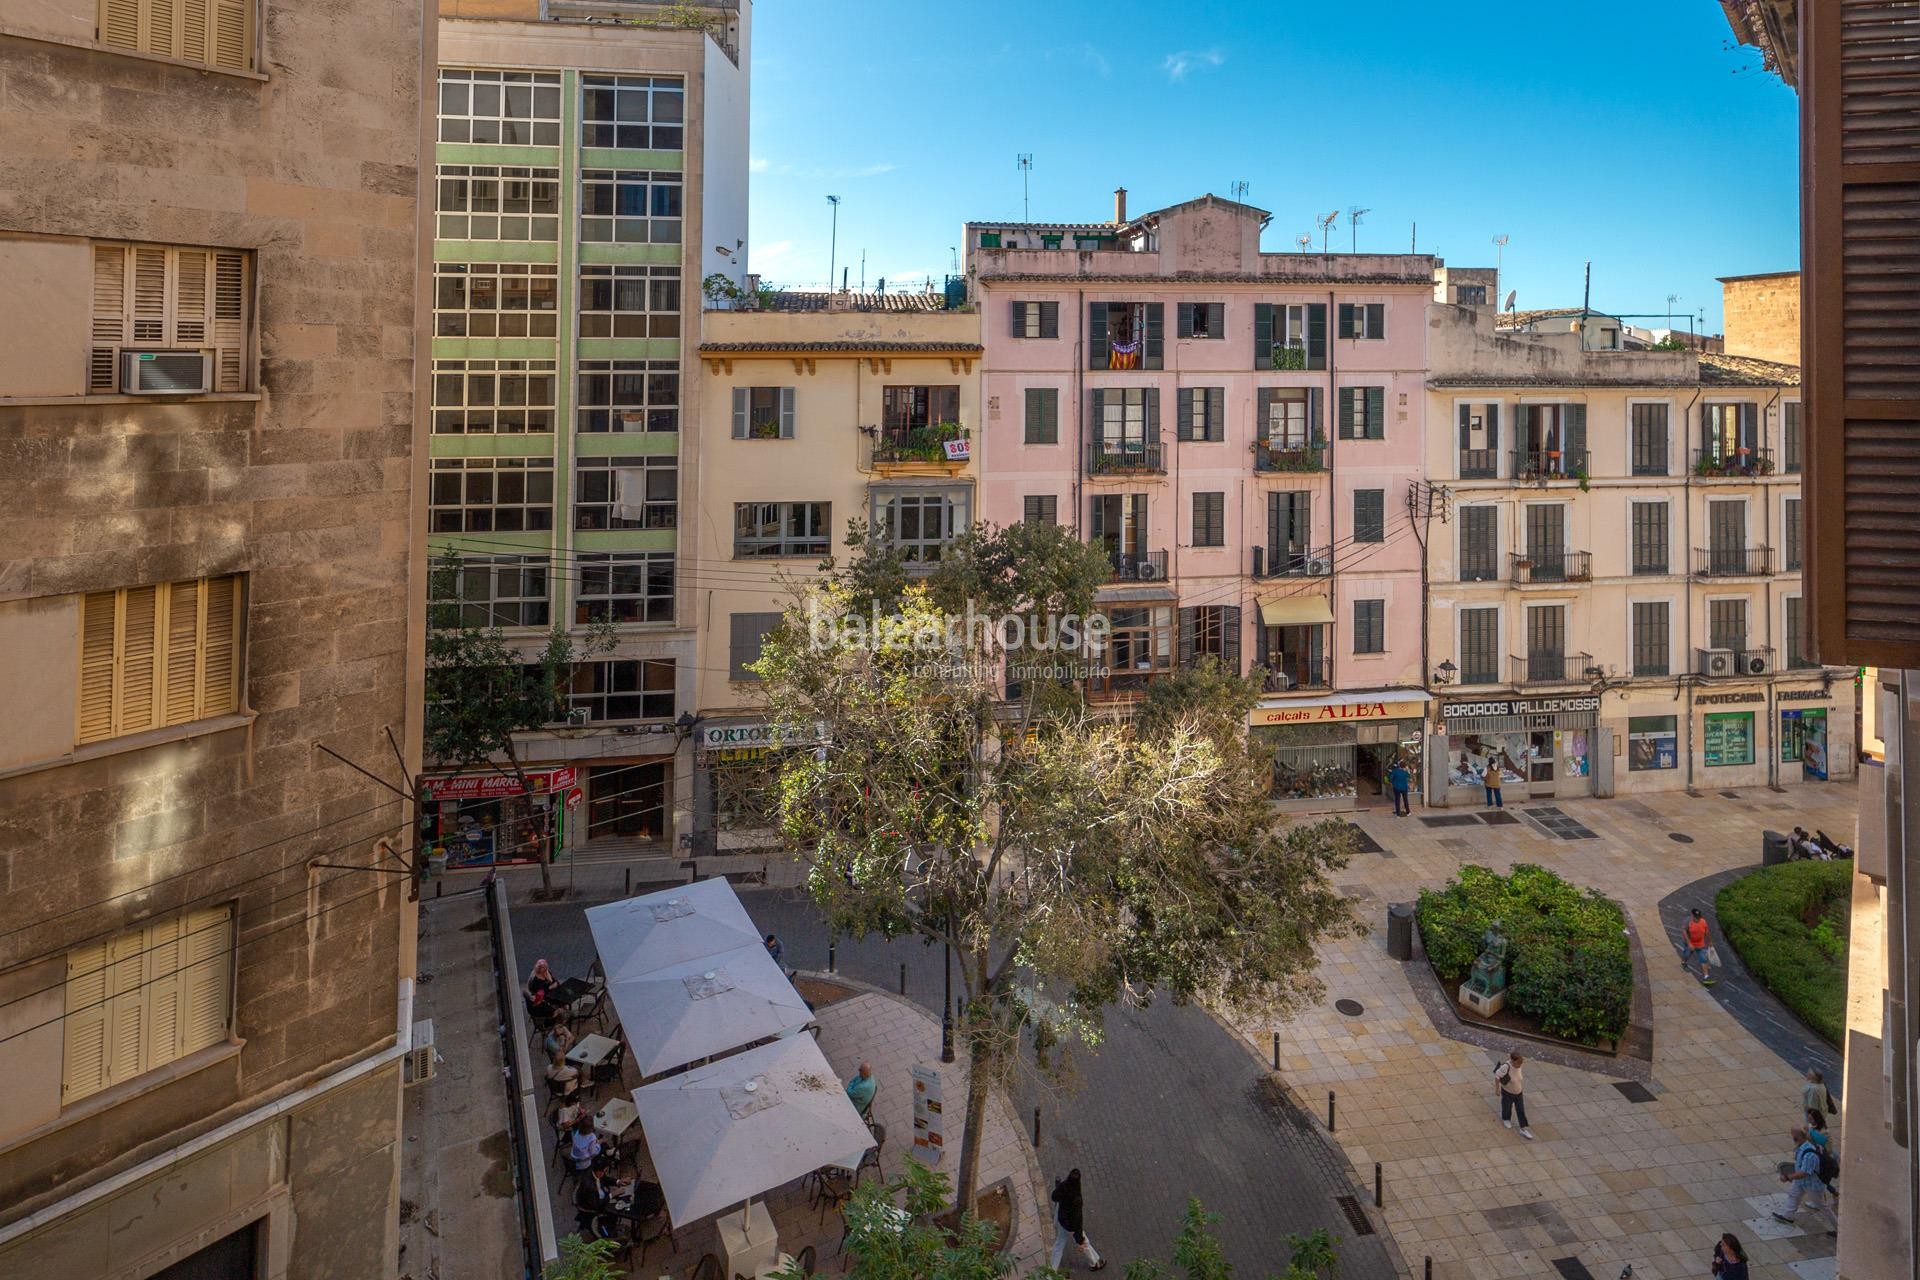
1243 432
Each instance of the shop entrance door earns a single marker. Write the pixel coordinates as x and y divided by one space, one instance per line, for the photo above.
626 802
1803 740
1540 763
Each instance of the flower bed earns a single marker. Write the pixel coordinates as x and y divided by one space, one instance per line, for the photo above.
1569 968
1789 923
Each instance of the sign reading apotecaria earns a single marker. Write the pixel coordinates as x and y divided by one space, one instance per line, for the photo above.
1518 707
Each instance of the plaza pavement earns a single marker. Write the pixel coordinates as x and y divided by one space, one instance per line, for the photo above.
1609 1181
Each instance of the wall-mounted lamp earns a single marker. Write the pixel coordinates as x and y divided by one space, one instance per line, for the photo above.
1446 671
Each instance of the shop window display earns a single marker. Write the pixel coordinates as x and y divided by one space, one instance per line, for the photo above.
1474 754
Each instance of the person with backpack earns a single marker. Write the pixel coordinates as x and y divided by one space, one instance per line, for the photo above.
1508 1082
1697 947
1069 1222
1729 1258
1807 1175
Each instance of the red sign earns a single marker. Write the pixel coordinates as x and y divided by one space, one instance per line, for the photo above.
495 786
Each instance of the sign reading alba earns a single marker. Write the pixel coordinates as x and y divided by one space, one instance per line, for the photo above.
1343 712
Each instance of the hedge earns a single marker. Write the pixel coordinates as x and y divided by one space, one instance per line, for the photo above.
1568 964
1789 924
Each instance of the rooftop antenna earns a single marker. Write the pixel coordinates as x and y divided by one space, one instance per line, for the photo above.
1304 239
833 245
1671 299
1354 214
1326 224
1025 160
1499 256
1239 189
955 251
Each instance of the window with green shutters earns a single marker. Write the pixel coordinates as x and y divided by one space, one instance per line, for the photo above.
1369 515
1040 508
1290 336
763 413
1201 320
1790 435
1036 319
1790 532
1043 415
1369 626
1652 642
1209 519
1650 537
1203 413
1649 425
1363 320
1479 544
1363 413
1479 646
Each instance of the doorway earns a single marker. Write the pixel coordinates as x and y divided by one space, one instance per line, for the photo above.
626 802
1540 762
1803 739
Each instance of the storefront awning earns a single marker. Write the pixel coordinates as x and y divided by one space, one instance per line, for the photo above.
1296 611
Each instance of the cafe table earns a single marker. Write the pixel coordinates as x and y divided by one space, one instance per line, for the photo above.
748 1244
615 1118
591 1051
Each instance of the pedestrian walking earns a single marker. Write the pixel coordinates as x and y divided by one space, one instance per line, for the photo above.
1490 778
1509 1083
1814 1095
1729 1258
1697 949
1805 1185
1069 1223
1400 778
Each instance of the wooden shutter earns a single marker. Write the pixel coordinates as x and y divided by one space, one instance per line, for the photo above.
1466 429
120 23
1376 413
1183 405
1152 414
180 663
1860 188
218 33
1316 397
1049 319
1347 412
206 978
128 1026
220 648
1349 328
1316 335
139 651
786 413
1216 413
1573 435
99 628
1262 335
741 396
1153 348
1263 413
1493 427
84 1052
229 334
1376 319
1230 637
1019 310
1188 622
1183 320
109 315
1097 337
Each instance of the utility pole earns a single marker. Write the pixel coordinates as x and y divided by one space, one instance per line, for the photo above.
833 245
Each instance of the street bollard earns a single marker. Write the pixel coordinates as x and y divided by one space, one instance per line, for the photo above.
1329 1111
903 979
830 950
1429 1275
438 885
1376 1185
1036 1128
1276 1051
628 891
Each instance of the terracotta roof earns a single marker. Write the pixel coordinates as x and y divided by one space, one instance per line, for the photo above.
1108 228
860 346
1207 277
854 300
1548 380
1746 371
1520 319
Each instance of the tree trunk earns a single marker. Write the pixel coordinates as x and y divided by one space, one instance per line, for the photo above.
980 1067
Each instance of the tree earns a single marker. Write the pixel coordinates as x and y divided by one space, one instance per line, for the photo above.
1199 1256
482 690
582 1259
1071 859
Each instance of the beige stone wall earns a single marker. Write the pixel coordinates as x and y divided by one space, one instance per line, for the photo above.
1763 316
304 486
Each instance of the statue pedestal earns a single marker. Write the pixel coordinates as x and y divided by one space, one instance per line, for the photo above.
1484 1005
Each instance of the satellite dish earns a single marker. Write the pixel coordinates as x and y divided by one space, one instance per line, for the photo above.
1511 293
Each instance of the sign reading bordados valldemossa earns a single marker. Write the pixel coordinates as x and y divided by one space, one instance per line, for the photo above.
1337 714
1518 706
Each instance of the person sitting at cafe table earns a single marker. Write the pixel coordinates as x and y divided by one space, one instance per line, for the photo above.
584 1145
597 1195
564 1078
559 1040
538 986
861 1088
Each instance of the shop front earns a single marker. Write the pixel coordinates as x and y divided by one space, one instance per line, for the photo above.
1333 753
735 775
1815 732
491 819
1542 747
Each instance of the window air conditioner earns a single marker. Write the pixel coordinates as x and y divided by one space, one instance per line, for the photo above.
1318 568
420 1059
1146 571
1757 664
165 373
577 717
1716 662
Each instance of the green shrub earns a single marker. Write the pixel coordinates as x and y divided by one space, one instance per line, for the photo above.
1568 964
1789 924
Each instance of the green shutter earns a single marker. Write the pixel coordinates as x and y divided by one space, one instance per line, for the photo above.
1347 327
1493 427
1262 412
1217 319
1377 319
1097 354
1216 413
1346 413
1263 335
1466 438
1150 356
1096 412
1316 335
1316 397
1376 413
1153 414
1183 320
1573 438
1019 319
1183 400
1049 319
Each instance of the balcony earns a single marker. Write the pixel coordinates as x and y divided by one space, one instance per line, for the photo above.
1143 566
1570 566
942 449
1479 464
1126 457
1292 562
1552 668
1733 664
1295 459
1735 464
1551 464
1732 562
1287 672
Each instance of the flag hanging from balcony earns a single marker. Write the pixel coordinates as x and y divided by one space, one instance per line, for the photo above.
1124 355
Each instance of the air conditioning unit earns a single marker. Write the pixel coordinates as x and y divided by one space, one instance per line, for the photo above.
1318 568
1146 571
1756 664
165 373
577 717
1716 662
419 1063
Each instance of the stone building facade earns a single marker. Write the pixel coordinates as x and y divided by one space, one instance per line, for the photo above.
212 237
1763 315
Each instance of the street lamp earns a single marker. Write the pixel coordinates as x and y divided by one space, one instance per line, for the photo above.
1446 672
833 245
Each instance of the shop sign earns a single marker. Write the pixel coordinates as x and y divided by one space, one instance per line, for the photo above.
496 786
1804 695
1518 707
735 737
1345 713
1726 699
959 450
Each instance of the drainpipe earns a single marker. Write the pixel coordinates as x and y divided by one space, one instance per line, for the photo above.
1333 561
1686 549
1079 407
1766 599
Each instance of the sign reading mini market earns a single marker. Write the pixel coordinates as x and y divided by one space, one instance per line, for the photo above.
1337 714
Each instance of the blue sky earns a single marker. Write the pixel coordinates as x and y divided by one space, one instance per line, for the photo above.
1631 134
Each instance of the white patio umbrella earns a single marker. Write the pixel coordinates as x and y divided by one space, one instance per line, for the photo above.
704 1006
636 936
726 1132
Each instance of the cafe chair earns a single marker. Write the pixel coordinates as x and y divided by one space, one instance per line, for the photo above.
831 1189
609 1068
591 1007
708 1268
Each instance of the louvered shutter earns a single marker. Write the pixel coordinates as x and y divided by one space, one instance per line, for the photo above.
1263 413
160 993
1183 403
1183 320
1376 413
1466 429
1152 349
1316 335
1376 319
1262 335
1097 337
83 1067
180 664
1493 426
149 311
786 413
120 23
205 978
1346 413
1096 413
233 34
1216 319
127 1021
1049 319
191 322
1188 621
740 397
1216 413
1348 329
1019 310
220 649
1230 637
229 335
1153 415
109 315
1316 396
98 631
139 651
1574 436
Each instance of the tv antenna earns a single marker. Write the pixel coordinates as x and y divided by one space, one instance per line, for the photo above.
1239 189
1326 225
1499 255
1671 299
1304 239
1354 215
1025 160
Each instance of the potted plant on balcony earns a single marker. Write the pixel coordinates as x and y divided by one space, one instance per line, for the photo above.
1291 358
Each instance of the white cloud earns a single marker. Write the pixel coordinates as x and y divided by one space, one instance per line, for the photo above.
1176 65
759 164
765 258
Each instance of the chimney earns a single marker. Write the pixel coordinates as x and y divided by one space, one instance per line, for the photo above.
1119 206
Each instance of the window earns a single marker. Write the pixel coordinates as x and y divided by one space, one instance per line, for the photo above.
1547 541
1036 319
1369 515
145 997
1369 626
1288 417
1201 320
159 655
149 297
1139 647
636 113
907 408
763 413
628 395
1203 413
498 202
1479 646
495 300
1727 624
490 495
1363 320
1796 633
1652 743
1126 420
1479 544
1470 295
623 689
1363 413
1211 631
1790 532
745 633
215 33
623 586
1125 335
1652 647
494 591
1209 519
1043 415
1479 441
502 397
1650 538
1649 426
1790 434
629 301
516 108
1727 538
627 493
1290 336
629 206
1730 432
1547 642
1040 508
1117 522
1727 738
782 529
918 523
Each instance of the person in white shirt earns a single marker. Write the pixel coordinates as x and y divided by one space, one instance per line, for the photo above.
1509 1082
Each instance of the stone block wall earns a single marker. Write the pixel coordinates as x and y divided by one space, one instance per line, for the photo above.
1763 316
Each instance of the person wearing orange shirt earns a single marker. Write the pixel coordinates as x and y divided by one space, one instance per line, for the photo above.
1696 929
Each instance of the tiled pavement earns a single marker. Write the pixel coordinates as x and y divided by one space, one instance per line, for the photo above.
1609 1181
